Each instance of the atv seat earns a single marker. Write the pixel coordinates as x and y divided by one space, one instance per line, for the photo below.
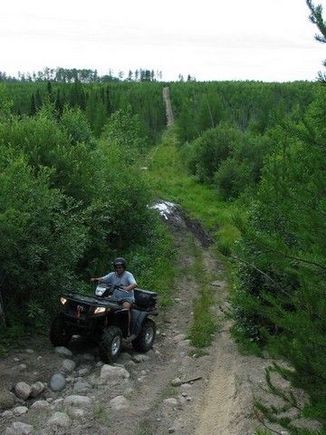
144 299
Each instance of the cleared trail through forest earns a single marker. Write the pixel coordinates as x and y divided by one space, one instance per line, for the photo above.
174 388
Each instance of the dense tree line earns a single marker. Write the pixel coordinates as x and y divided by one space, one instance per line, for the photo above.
85 75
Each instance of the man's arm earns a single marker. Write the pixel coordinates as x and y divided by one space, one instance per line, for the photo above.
132 282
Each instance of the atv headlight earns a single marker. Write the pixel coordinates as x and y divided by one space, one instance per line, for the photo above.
99 310
63 300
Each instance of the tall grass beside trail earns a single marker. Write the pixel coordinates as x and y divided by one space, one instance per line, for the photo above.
171 181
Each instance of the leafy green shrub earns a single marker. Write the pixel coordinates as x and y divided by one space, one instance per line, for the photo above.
75 123
208 152
242 170
128 131
42 237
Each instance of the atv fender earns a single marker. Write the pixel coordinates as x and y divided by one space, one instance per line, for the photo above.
137 319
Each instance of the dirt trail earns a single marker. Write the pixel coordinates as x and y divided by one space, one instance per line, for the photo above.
219 402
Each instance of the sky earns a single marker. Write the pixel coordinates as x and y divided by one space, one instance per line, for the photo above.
267 40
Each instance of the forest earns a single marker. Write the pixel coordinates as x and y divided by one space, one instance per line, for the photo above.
73 196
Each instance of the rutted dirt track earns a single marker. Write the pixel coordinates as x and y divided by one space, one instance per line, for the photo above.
213 393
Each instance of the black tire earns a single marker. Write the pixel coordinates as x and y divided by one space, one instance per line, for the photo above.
110 344
144 341
59 332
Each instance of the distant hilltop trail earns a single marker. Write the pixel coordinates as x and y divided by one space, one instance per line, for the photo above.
168 106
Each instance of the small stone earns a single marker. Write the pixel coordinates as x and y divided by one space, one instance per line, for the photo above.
76 413
176 382
112 372
37 388
20 410
22 390
57 382
19 428
7 414
119 402
62 351
68 365
29 351
171 429
78 401
83 371
7 399
171 401
81 387
59 419
40 404
16 359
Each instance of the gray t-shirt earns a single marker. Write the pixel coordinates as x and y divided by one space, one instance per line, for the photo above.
123 280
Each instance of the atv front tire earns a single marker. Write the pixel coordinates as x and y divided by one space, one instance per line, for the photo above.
59 333
145 339
110 344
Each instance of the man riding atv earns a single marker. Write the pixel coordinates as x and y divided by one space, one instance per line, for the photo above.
117 309
125 281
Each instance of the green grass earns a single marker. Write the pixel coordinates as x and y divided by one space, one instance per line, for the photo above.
204 324
171 181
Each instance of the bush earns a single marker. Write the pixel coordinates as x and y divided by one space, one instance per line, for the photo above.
42 237
207 153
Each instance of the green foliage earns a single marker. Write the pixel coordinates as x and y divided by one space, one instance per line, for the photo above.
127 131
279 299
208 152
68 205
6 103
242 169
74 122
42 237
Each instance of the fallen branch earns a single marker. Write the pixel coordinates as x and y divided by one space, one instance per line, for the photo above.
192 380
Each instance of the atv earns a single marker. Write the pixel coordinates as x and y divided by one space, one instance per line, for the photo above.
103 318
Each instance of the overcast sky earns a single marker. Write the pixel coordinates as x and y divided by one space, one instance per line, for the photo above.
270 40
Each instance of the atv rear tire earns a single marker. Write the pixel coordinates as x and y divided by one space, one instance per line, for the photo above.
59 333
110 344
144 341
